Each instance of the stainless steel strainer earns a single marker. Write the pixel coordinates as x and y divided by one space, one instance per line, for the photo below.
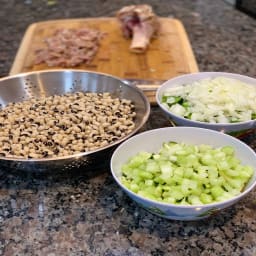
57 82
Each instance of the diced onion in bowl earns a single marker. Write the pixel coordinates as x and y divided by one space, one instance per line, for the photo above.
216 100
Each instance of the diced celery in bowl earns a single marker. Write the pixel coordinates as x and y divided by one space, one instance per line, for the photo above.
214 100
184 173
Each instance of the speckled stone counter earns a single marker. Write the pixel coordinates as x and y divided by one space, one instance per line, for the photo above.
83 212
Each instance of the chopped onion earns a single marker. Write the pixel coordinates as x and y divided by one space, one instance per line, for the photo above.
217 100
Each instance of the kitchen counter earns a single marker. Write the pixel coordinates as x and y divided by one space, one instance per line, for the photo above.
84 212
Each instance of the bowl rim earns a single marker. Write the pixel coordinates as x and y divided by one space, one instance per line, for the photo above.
214 125
163 204
86 153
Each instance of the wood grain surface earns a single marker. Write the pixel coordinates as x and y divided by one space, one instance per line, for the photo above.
168 55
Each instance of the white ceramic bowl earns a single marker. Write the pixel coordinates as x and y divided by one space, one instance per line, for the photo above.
188 79
151 141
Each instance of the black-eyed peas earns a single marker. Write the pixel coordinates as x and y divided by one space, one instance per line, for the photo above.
63 125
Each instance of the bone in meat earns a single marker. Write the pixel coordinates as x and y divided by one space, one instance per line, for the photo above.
140 23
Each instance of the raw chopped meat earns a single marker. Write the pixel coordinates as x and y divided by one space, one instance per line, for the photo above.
69 47
140 23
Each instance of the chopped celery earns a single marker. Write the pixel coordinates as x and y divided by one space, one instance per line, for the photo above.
194 200
186 174
139 159
246 172
217 191
145 174
134 187
228 150
152 166
206 198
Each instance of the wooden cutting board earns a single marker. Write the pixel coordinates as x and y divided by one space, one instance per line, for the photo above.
168 55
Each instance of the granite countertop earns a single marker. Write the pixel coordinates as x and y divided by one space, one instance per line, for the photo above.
84 212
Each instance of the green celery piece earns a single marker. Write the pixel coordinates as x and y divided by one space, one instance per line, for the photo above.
139 159
227 187
234 120
158 190
138 179
169 200
166 188
183 202
177 179
232 173
181 152
207 190
236 183
178 172
151 192
200 177
206 198
152 166
155 191
166 169
188 186
207 159
217 191
223 165
176 194
126 168
166 194
173 158
188 172
246 172
145 175
233 162
204 148
156 156
146 195
212 172
202 174
130 172
194 200
134 187
169 148
183 161
217 181
219 155
229 190
173 100
228 150
227 195
149 183
185 104
159 180
164 98
125 182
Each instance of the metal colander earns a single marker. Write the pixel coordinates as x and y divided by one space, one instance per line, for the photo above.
40 84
